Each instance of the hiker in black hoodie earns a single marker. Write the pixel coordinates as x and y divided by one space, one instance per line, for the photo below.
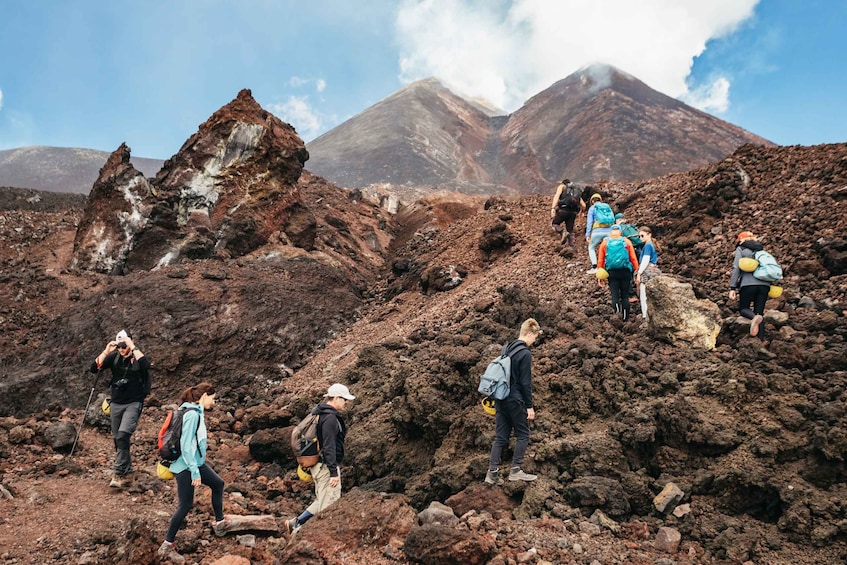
748 289
331 432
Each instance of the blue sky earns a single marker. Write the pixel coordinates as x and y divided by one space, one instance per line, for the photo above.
97 73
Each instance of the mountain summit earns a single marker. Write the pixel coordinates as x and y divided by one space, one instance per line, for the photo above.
598 123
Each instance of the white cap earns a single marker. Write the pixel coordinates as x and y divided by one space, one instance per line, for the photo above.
121 335
339 389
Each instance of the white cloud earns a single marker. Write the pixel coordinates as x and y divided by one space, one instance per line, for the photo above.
1 99
298 112
710 97
509 50
298 82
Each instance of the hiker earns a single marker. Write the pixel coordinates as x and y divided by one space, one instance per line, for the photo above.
617 256
600 218
515 410
629 231
331 432
129 385
747 288
647 267
567 204
190 469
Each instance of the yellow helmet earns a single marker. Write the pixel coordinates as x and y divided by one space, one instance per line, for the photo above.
774 291
163 471
488 406
602 274
304 474
747 264
106 407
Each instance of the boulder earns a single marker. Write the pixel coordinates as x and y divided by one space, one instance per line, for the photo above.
667 539
599 492
265 524
667 500
676 315
438 513
60 435
437 544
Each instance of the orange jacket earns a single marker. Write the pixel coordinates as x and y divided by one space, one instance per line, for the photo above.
601 253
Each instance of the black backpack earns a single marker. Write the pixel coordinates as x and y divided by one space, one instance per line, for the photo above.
569 199
171 433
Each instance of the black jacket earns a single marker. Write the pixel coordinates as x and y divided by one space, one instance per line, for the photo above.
520 381
130 377
331 434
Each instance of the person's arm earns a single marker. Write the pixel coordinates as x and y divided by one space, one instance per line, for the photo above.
523 376
735 278
601 254
582 206
633 260
645 262
329 437
100 362
188 442
556 197
589 222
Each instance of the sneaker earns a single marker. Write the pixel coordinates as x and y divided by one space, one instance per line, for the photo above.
592 271
168 551
516 474
754 325
117 482
493 477
291 527
222 528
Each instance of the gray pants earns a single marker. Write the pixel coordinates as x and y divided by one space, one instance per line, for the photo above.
124 421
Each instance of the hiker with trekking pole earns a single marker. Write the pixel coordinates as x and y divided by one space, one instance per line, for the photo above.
129 386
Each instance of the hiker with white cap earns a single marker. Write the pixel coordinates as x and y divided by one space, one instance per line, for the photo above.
331 432
129 386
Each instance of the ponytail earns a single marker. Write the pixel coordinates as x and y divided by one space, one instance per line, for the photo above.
193 393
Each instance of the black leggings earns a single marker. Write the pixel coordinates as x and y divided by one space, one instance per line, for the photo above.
756 295
620 281
185 493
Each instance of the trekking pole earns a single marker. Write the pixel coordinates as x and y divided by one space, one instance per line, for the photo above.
84 412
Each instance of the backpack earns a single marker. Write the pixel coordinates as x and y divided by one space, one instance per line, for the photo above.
495 382
304 441
768 269
569 199
170 435
617 255
603 215
631 233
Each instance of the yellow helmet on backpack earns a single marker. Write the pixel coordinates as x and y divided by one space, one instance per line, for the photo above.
774 291
304 474
602 274
163 471
747 264
488 406
106 407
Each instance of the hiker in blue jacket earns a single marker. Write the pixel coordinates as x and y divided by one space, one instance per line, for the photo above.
745 287
515 410
191 470
595 231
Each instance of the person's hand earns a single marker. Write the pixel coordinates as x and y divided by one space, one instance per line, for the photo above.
111 346
333 481
129 342
195 482
637 279
552 213
732 295
530 413
601 283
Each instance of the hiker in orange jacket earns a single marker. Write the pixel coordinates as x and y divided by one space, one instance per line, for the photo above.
617 256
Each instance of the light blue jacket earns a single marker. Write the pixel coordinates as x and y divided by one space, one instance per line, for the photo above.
193 445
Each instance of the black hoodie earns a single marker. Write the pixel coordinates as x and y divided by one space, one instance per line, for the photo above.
331 434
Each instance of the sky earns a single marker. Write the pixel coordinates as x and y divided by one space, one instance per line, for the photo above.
96 73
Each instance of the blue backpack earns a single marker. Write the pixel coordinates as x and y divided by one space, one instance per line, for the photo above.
497 380
603 215
617 255
768 269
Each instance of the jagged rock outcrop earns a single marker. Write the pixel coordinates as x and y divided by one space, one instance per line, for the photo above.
117 209
676 315
231 186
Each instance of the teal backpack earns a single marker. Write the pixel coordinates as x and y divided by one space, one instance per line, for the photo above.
603 215
768 269
617 255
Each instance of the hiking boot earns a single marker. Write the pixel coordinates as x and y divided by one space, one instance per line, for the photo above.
754 325
168 551
516 474
592 271
571 240
117 482
493 477
222 528
291 527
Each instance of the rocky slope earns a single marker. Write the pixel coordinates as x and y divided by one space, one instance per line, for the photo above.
750 432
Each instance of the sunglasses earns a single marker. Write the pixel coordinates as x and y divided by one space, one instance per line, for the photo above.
122 345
